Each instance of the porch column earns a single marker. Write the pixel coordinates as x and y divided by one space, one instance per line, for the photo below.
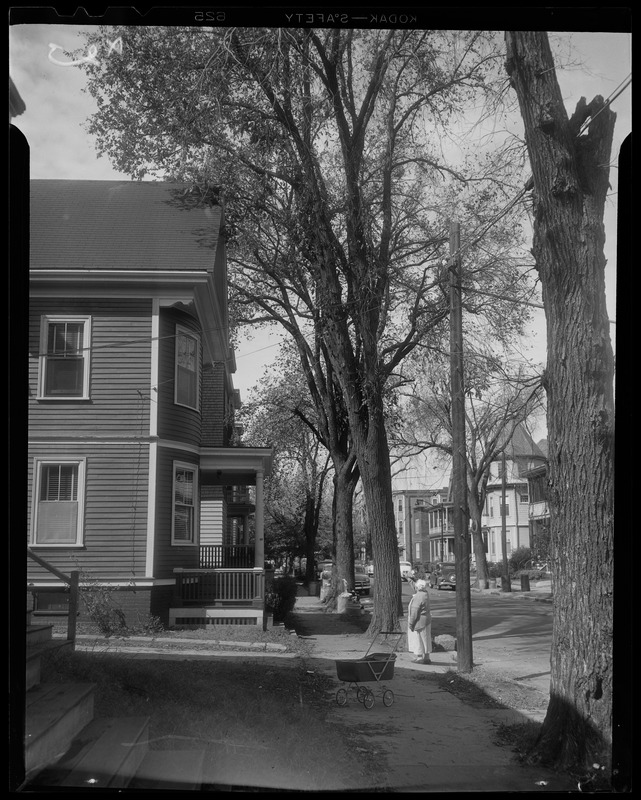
259 519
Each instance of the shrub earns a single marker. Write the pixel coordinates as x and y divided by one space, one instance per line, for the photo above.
107 617
109 620
520 558
280 598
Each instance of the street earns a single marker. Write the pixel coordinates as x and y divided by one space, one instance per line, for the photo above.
510 633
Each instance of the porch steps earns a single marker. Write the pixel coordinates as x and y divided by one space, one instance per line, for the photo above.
54 714
66 747
105 755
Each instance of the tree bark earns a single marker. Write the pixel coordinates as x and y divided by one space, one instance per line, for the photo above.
345 480
570 179
373 457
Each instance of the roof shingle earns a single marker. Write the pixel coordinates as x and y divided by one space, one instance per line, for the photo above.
120 225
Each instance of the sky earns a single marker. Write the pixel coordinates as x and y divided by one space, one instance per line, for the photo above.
57 107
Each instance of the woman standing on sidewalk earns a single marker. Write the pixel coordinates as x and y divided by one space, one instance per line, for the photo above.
419 625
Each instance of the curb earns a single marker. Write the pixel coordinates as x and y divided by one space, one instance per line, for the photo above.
143 644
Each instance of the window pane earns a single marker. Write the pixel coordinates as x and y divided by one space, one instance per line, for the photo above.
57 516
184 487
65 338
183 523
64 377
64 363
187 370
57 523
184 505
59 482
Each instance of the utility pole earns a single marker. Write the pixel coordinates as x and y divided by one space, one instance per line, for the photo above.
459 471
506 584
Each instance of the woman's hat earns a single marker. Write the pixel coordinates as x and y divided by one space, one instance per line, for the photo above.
421 585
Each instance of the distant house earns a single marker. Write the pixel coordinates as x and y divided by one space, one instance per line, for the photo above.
410 507
539 511
133 479
522 456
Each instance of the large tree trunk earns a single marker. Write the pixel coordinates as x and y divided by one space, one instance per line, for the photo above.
570 183
345 480
372 453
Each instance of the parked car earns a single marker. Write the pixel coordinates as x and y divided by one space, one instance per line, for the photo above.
362 583
406 568
447 578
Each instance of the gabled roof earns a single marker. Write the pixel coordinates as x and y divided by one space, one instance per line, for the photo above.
522 444
122 225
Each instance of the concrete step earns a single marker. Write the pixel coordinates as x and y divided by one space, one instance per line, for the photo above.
54 715
105 755
37 634
34 655
170 770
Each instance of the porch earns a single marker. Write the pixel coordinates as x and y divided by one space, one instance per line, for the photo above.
228 587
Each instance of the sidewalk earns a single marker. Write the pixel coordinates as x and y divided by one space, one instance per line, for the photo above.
430 739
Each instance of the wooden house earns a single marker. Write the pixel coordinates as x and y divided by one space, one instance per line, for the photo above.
133 480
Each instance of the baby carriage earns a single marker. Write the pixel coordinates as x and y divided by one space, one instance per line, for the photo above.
372 667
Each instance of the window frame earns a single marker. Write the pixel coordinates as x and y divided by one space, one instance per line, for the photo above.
38 473
186 332
46 320
176 467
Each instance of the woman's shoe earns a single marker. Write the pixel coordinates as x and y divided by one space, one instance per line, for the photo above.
417 661
426 661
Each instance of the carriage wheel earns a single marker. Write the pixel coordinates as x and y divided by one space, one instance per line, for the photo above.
388 697
341 697
368 700
361 694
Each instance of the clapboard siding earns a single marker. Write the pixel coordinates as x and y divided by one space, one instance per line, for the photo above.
168 556
211 522
174 421
115 511
120 371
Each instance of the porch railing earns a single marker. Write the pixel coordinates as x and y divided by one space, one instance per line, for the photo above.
73 582
221 556
222 587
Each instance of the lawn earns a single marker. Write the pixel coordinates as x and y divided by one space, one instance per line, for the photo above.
259 720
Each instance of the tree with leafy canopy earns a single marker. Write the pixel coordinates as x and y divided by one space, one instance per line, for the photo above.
304 398
296 491
569 158
329 149
497 400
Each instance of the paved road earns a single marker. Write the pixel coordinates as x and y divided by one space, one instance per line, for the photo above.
510 632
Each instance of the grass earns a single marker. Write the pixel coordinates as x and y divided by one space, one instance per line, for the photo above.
265 716
227 636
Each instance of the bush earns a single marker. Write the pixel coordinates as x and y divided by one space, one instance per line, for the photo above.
107 617
520 559
280 597
98 600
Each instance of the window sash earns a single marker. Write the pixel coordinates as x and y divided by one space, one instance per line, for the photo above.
184 505
187 369
58 509
64 357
